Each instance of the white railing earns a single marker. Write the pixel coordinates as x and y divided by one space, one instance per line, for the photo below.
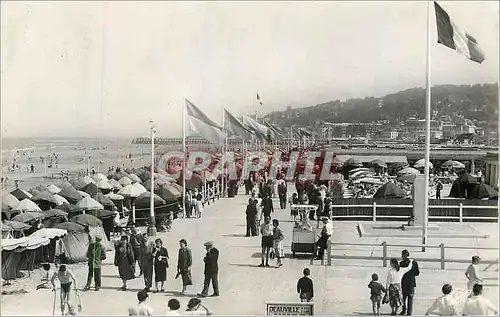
374 214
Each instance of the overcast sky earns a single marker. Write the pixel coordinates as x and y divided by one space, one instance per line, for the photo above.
216 54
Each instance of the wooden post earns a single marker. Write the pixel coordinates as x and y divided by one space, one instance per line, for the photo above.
329 252
461 212
442 255
374 212
384 254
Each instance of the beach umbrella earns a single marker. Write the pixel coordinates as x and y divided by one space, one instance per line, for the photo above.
410 178
353 162
135 178
83 194
104 185
361 174
142 173
452 164
143 201
9 201
124 181
482 191
65 184
87 220
49 233
114 196
378 163
91 189
389 190
409 170
117 176
99 177
44 197
89 203
115 184
15 225
147 185
71 194
60 200
101 214
369 180
139 187
53 189
467 178
69 208
26 205
421 164
168 192
54 213
70 226
103 200
21 194
130 191
81 182
28 216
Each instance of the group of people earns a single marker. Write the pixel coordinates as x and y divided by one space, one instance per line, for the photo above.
399 291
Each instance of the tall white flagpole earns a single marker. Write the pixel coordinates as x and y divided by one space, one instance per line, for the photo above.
184 211
152 221
427 155
223 154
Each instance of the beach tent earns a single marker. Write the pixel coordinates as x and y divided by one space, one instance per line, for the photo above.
83 194
26 205
12 225
60 200
378 163
104 201
117 199
21 194
71 195
482 191
29 216
117 176
80 182
91 189
99 177
74 244
168 192
115 184
353 162
64 185
45 200
19 254
89 203
47 253
389 190
53 189
124 181
55 213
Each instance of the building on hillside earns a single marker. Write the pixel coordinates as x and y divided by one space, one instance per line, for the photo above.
346 130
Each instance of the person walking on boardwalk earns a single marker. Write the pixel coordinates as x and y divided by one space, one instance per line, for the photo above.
160 264
125 261
305 287
472 273
278 238
393 286
147 262
96 254
135 241
267 206
251 218
282 191
408 282
376 291
211 270
267 240
323 240
68 281
184 263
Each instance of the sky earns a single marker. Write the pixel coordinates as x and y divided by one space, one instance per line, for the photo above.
75 69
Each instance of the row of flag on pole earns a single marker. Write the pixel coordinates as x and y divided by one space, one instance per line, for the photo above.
248 129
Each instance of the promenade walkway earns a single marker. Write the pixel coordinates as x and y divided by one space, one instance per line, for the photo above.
245 287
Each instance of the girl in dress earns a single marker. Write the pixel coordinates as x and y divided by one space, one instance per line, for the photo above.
394 284
160 255
278 243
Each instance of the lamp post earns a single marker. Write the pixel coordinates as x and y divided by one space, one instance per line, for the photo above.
152 222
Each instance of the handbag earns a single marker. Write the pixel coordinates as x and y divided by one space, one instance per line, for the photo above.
272 255
385 300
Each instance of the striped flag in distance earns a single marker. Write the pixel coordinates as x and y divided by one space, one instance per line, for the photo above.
450 35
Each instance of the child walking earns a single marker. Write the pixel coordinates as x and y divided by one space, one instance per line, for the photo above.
376 290
305 287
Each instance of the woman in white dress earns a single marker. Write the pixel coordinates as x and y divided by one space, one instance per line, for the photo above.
393 284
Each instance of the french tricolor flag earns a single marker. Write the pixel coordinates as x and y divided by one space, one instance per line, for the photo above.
450 35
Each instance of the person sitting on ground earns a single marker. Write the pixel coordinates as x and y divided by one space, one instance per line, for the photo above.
376 290
444 305
477 305
67 280
173 308
195 308
140 309
305 287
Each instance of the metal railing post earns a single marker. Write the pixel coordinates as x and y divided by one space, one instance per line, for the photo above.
384 254
461 212
329 252
374 212
441 246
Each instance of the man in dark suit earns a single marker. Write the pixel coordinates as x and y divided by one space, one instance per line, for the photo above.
408 282
211 270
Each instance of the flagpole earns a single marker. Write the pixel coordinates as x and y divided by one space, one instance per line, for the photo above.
184 160
427 129
224 150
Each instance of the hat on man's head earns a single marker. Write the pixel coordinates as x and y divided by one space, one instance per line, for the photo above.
209 244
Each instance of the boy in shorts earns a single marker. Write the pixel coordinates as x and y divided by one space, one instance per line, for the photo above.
376 290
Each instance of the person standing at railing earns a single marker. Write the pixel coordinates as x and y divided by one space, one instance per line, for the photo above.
472 273
408 282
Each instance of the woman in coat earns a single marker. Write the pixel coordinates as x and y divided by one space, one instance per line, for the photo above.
160 255
184 262
124 259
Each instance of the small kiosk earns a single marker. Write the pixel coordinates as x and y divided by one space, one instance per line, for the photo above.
304 235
